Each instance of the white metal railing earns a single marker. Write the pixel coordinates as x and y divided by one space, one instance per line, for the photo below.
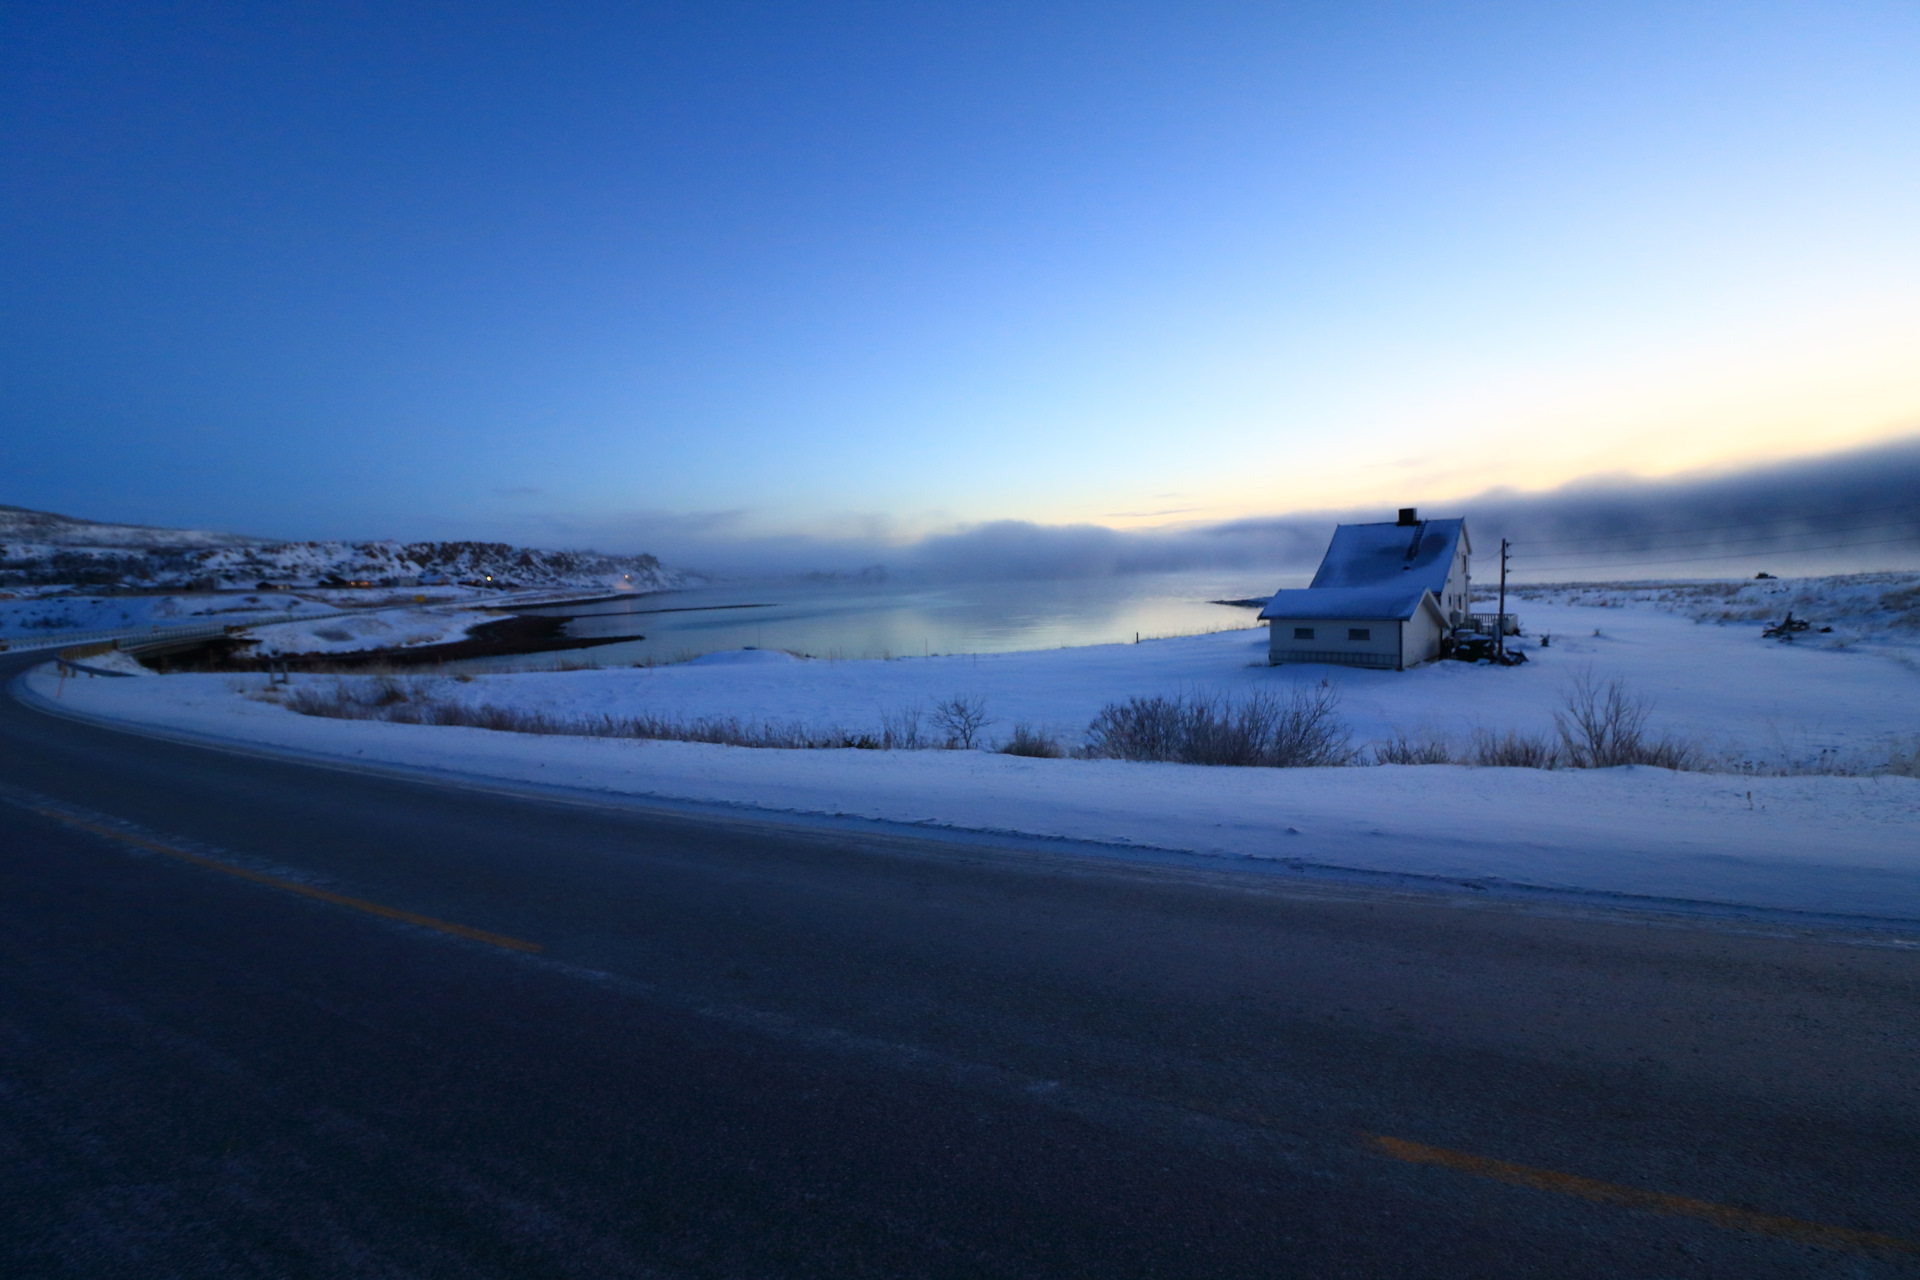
152 632
1483 624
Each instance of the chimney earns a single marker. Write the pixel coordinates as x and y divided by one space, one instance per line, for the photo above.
1409 515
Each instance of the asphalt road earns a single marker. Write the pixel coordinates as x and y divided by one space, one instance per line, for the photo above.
266 1019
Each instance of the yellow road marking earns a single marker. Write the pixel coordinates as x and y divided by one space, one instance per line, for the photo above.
1520 1175
293 886
1720 1215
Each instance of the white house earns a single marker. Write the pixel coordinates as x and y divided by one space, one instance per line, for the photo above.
1385 596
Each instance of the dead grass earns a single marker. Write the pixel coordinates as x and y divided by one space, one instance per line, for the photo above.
1601 725
1514 750
1400 749
398 702
1484 749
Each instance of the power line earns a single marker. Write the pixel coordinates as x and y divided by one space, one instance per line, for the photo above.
1727 542
1750 524
1784 551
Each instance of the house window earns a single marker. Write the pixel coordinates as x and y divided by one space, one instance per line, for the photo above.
1359 633
1303 633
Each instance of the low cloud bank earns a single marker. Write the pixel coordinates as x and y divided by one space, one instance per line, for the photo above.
1014 549
1844 512
1854 511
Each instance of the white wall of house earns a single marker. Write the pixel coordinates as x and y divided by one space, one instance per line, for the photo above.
1454 597
1333 640
1420 637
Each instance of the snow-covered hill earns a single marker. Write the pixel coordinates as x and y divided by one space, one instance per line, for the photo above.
18 525
39 548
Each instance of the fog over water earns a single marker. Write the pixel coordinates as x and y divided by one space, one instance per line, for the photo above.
1858 510
853 619
1013 585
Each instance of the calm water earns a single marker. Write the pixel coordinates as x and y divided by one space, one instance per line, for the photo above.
862 620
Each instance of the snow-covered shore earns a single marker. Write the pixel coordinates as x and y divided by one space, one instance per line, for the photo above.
378 629
1834 844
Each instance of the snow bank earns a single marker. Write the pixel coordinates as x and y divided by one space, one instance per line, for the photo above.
348 633
112 662
744 658
1847 845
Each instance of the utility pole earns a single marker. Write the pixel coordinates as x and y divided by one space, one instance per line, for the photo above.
1500 618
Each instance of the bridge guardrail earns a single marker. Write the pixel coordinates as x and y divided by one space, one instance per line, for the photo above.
127 637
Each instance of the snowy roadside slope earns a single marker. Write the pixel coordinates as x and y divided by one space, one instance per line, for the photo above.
1820 844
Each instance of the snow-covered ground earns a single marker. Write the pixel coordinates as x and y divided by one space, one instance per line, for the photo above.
1875 609
377 629
1743 699
1847 844
48 615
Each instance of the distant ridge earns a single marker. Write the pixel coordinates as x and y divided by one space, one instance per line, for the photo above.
44 548
25 525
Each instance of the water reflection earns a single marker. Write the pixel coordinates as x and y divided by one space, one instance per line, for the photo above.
867 620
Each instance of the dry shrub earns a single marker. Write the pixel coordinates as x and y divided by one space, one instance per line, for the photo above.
1896 601
901 730
1295 730
1603 726
1514 751
336 703
1028 741
1906 763
1401 749
1139 729
961 718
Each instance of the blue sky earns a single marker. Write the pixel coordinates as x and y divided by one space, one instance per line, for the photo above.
672 276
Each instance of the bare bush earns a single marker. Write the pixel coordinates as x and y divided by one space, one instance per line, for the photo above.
1514 751
1138 729
901 730
1905 764
1294 730
1401 749
961 718
1028 741
1603 726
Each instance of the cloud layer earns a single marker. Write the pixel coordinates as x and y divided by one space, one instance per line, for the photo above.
1840 512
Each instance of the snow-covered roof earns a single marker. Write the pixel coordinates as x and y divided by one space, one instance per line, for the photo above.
1381 555
1393 603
